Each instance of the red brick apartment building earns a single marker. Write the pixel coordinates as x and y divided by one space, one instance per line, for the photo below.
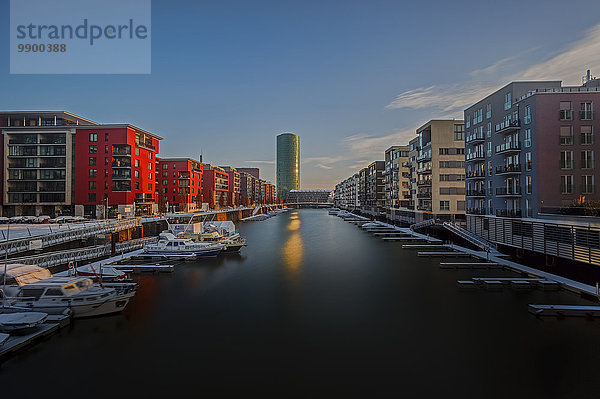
179 182
215 186
57 163
234 190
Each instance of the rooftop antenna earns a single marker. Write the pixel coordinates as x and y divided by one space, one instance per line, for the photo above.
200 155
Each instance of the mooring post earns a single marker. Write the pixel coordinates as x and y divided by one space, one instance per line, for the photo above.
597 289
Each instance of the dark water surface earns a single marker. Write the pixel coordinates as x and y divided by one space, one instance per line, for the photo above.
315 307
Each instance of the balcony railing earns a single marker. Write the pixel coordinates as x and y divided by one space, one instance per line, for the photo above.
509 191
509 213
424 195
507 126
425 182
566 164
476 174
475 137
476 193
510 146
512 168
475 155
587 164
477 211
121 163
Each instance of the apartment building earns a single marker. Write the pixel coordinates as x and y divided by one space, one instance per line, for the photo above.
440 170
57 163
215 186
396 180
375 189
248 189
531 168
179 183
234 190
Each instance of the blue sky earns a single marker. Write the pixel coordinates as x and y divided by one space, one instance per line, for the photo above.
350 77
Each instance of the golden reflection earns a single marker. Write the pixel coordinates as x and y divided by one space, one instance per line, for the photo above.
292 253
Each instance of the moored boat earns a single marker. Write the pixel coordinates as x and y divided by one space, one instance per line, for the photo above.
21 321
170 246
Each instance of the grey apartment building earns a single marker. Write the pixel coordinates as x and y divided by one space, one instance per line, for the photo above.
530 168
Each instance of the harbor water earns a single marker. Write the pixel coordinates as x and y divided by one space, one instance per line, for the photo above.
314 307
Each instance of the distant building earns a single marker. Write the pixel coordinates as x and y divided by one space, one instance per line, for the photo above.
179 182
288 163
255 172
305 196
397 180
234 189
215 186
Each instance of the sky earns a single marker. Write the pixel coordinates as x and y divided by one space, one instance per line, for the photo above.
351 78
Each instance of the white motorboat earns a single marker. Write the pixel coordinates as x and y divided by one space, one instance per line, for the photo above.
170 246
222 232
79 294
104 273
19 322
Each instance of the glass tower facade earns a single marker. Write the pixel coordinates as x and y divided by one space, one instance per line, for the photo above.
288 164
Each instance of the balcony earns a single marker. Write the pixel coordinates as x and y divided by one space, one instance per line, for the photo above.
477 211
507 126
406 164
424 157
407 196
426 208
508 147
476 156
508 169
476 193
121 186
121 174
426 182
121 151
509 191
406 175
475 138
121 163
508 213
424 195
476 174
424 171
146 145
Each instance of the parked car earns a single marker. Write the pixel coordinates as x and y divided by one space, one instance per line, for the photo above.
28 219
42 219
16 219
62 219
4 220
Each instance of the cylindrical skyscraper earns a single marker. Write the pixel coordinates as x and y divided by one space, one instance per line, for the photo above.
288 164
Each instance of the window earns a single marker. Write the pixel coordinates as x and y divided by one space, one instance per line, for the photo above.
587 159
566 135
587 184
489 149
174 182
105 172
106 185
136 174
91 197
105 136
566 113
173 166
106 149
93 137
488 111
566 184
586 112
528 188
105 161
587 135
91 185
150 186
149 155
507 101
165 182
566 159
468 122
137 151
528 163
527 116
444 205
489 130
137 163
93 149
137 185
150 176
150 165
527 142
92 173
165 166
92 161
459 132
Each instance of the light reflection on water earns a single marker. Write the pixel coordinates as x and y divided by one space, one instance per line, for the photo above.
292 250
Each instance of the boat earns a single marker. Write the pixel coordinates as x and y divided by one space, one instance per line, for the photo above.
104 273
3 338
22 321
79 294
173 247
222 232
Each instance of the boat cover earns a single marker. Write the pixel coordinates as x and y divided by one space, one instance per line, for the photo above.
25 274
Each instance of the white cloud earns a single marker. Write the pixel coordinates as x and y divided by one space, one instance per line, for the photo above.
569 65
262 162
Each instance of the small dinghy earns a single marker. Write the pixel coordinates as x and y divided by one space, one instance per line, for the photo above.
10 322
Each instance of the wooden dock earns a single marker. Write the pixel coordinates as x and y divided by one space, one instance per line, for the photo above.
470 265
145 268
445 254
